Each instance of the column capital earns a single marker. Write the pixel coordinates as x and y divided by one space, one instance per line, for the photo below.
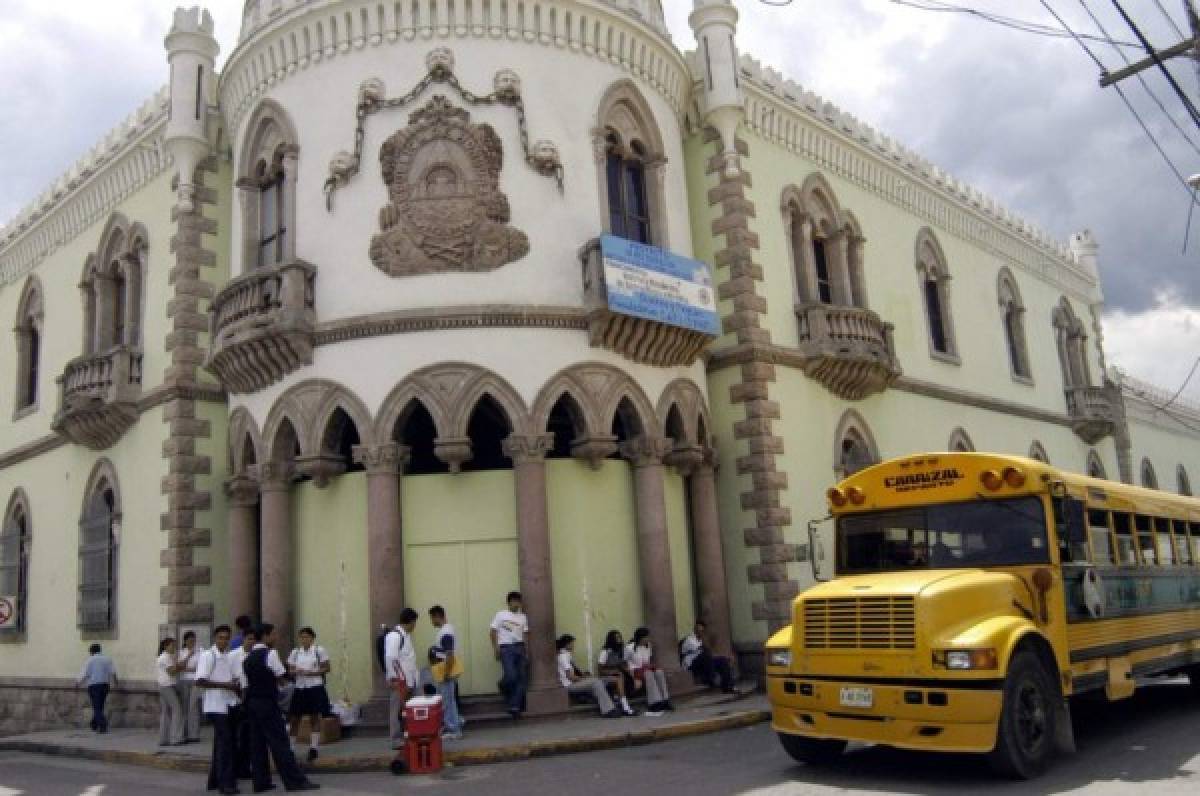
685 458
276 476
646 451
527 448
454 451
321 468
389 458
242 491
594 448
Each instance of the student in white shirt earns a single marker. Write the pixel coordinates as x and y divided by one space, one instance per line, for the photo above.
170 712
217 680
309 663
400 663
705 667
640 656
613 666
577 682
189 696
446 650
239 724
509 632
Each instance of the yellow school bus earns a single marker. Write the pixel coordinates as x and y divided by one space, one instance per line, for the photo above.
972 594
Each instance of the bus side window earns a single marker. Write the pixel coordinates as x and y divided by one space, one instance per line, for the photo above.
1123 529
1145 538
1098 535
1166 548
1183 550
1194 531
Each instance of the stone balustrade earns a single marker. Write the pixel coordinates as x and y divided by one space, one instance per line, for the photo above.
262 326
98 395
847 349
1094 412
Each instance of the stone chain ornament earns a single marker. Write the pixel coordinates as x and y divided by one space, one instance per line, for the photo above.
542 155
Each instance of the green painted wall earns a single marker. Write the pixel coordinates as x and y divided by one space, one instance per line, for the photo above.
329 527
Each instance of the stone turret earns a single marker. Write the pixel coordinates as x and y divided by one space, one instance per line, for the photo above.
191 51
1085 250
721 101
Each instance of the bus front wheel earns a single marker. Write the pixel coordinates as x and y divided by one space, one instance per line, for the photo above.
813 751
1028 719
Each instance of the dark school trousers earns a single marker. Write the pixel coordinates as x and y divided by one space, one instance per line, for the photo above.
239 728
220 769
98 694
268 733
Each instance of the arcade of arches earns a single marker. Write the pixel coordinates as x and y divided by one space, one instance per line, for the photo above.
598 504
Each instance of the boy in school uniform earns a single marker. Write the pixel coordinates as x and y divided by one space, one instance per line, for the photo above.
216 677
509 632
400 665
444 650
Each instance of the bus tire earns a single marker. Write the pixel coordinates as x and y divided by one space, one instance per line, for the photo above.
1025 737
1193 676
812 751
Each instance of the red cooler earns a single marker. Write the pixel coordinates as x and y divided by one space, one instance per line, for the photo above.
423 726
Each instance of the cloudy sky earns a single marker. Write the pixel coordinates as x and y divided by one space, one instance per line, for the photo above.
1018 115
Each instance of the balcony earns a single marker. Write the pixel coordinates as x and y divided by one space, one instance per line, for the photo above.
98 395
262 326
1094 412
849 350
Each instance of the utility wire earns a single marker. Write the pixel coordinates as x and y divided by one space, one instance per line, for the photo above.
1129 105
1183 97
1179 392
1142 81
1170 20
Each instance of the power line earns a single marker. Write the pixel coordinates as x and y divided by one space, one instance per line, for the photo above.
1142 80
1129 105
1187 102
1170 20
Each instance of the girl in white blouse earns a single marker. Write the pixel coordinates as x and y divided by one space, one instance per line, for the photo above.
189 695
308 664
170 712
640 656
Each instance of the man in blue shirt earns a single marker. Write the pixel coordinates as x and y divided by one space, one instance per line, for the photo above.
445 652
98 675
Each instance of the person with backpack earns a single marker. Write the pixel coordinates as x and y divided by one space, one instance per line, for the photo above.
400 665
217 680
308 663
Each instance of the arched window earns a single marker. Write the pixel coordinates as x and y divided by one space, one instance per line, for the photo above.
934 282
267 188
826 246
854 445
30 317
1012 313
1095 467
112 288
960 442
1071 338
14 565
1185 483
1038 453
632 161
1149 479
99 532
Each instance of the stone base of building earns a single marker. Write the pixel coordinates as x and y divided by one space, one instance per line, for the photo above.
750 661
34 704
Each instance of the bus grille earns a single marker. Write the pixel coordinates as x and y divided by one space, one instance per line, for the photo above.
873 623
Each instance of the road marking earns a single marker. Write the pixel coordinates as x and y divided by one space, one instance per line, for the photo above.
94 790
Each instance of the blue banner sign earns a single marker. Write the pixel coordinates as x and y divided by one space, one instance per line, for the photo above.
648 282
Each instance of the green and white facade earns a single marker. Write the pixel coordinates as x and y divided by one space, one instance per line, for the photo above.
252 372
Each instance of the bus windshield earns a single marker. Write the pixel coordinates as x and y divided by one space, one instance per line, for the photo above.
977 533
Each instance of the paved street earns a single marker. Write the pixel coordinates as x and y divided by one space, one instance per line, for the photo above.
1151 741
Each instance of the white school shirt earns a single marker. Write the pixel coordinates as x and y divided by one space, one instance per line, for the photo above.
273 662
446 630
237 657
190 663
638 657
218 667
691 649
608 658
308 660
566 667
510 627
162 670
399 657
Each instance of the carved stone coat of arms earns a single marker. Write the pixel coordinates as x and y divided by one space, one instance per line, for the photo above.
447 212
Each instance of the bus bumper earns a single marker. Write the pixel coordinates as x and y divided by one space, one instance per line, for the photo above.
921 716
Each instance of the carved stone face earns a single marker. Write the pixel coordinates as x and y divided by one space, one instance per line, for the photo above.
372 90
342 165
440 59
507 82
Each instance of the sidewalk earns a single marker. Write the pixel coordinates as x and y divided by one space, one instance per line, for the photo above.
491 743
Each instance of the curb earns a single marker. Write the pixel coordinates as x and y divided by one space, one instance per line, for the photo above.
381 762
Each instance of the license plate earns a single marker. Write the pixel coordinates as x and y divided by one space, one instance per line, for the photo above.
857 697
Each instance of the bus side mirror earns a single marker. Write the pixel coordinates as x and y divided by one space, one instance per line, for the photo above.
816 552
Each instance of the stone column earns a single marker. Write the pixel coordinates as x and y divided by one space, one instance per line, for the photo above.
528 454
710 555
809 267
106 307
654 548
275 532
243 545
837 259
385 544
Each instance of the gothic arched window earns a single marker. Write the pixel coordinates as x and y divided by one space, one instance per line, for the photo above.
632 164
112 288
99 531
1149 479
14 561
267 188
934 282
854 445
826 246
1012 311
1071 338
29 346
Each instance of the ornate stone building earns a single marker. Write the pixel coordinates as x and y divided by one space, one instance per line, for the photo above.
344 339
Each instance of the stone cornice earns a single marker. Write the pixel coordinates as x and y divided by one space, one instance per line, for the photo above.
151 399
252 69
779 355
802 122
122 163
431 319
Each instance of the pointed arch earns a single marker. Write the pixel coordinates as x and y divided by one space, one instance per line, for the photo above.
29 332
631 162
488 425
1037 452
99 543
112 286
1149 477
590 385
1012 319
854 446
1095 467
825 245
933 281
16 545
960 441
245 441
339 399
485 382
1070 335
567 422
266 178
1182 481
688 398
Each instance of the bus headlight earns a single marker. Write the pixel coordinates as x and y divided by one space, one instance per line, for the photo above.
966 659
779 657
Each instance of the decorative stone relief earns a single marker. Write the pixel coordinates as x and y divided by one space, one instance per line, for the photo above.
447 212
